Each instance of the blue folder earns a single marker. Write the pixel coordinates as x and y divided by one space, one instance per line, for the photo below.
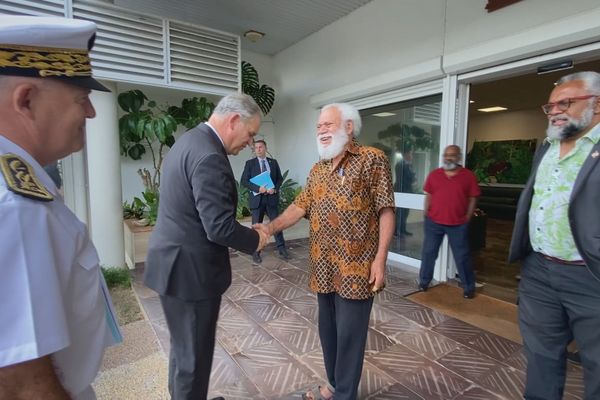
263 179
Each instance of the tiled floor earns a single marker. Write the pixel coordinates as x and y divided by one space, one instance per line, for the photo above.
268 345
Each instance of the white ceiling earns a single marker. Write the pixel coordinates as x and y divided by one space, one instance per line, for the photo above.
284 22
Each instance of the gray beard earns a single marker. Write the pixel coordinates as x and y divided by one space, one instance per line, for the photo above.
449 166
573 126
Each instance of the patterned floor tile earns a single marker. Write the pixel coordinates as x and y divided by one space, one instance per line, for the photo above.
377 342
306 306
427 343
275 382
477 393
263 308
397 326
241 290
435 382
506 381
226 378
426 317
295 276
468 363
259 358
395 392
314 362
253 336
517 360
235 322
372 381
295 333
457 330
381 314
281 289
494 346
397 360
152 308
574 386
258 275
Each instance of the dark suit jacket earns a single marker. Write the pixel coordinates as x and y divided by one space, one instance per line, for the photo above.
251 169
584 212
188 255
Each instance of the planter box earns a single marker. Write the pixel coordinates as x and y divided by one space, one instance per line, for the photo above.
136 242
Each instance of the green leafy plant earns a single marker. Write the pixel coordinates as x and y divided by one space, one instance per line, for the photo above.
288 192
116 276
147 127
242 203
264 95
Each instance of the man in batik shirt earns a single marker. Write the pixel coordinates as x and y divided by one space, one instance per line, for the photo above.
349 202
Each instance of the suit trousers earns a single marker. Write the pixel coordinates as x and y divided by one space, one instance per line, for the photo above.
558 303
192 326
272 211
458 236
343 327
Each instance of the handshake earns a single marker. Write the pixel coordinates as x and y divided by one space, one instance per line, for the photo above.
264 233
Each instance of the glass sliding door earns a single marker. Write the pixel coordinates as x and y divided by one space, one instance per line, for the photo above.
408 132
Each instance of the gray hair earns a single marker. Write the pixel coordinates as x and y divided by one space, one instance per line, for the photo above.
238 103
590 79
348 113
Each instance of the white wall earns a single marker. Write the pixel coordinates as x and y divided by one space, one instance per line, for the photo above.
526 124
384 40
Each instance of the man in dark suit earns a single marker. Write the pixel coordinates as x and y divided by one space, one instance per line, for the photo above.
188 256
405 181
260 199
557 239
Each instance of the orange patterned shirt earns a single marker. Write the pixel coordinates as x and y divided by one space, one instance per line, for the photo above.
343 208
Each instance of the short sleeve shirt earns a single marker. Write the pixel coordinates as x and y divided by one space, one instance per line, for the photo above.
343 206
52 294
450 195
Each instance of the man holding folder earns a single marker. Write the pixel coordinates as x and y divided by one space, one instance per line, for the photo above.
264 198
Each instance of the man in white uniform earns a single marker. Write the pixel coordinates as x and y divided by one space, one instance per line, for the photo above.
55 313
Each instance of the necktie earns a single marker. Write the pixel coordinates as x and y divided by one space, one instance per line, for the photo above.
263 165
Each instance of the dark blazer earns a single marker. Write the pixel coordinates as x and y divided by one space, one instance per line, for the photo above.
188 255
584 212
251 169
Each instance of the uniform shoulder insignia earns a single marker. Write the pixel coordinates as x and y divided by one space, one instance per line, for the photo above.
20 178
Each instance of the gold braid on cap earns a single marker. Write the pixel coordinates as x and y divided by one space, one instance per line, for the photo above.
47 61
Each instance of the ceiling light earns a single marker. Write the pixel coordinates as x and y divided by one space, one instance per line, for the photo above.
253 36
384 114
492 109
471 101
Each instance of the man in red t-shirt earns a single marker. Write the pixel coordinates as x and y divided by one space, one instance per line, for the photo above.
450 196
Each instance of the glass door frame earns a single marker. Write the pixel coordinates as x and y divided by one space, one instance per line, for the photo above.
443 86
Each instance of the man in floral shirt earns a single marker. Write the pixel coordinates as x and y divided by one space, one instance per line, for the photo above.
349 202
557 239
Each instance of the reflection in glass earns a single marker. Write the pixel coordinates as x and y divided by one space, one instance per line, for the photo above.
409 134
410 245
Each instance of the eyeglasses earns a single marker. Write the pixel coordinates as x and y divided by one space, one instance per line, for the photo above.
564 104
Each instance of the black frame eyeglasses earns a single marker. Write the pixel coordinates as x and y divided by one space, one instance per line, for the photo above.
564 104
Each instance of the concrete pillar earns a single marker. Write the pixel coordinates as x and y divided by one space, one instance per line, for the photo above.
104 179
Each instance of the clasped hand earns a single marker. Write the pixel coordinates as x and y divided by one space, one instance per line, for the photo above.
264 233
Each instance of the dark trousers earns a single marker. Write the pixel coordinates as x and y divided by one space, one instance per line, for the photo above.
192 326
258 214
343 326
558 303
458 236
401 217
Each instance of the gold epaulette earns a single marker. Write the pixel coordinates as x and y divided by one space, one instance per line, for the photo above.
20 178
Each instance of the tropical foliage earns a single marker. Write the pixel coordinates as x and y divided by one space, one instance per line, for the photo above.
264 95
502 161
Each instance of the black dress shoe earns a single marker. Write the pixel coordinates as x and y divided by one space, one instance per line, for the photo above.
468 295
284 254
423 288
256 258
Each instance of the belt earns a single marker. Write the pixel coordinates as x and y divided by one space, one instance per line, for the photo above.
561 261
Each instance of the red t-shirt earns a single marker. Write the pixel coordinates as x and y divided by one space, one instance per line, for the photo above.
450 195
